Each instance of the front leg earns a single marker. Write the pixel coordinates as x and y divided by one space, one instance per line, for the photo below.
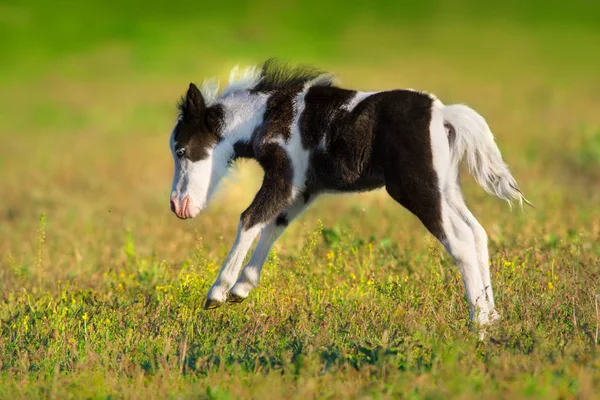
250 276
218 292
274 196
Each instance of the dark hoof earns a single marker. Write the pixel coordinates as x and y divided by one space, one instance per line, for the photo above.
212 304
233 298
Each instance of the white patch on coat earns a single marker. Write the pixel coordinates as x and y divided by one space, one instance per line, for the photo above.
243 113
349 106
299 156
356 99
326 79
440 148
277 140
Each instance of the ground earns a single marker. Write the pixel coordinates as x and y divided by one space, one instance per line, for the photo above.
103 288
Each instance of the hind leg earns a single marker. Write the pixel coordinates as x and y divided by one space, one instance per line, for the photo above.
460 242
456 201
428 203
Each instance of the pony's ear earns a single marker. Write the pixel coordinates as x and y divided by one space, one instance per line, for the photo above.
194 105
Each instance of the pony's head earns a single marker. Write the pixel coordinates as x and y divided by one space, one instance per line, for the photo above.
198 167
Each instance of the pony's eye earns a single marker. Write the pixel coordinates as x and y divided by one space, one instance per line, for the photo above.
180 152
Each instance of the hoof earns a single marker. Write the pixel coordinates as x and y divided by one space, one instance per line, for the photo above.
234 298
212 304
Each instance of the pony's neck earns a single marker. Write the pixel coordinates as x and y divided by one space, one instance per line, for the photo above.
244 112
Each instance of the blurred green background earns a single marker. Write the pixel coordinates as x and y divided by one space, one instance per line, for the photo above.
176 37
186 37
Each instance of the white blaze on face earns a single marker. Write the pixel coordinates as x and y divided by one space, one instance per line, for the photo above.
191 182
192 178
197 180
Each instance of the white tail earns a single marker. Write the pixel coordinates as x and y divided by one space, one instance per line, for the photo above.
471 138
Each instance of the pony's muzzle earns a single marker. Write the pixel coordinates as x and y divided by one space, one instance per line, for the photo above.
182 210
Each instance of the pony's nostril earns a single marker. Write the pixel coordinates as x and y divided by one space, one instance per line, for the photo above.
173 205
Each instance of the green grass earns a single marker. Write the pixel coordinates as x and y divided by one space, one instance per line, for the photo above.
102 288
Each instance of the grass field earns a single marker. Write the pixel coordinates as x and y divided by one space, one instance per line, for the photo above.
103 288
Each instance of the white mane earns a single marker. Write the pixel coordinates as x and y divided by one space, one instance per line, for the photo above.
239 80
